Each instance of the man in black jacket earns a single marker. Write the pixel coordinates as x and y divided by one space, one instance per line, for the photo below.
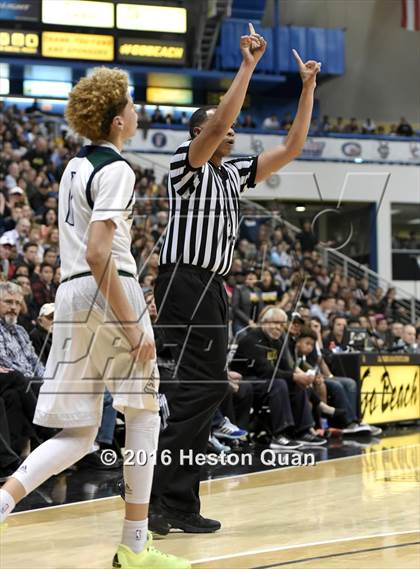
41 335
246 302
264 359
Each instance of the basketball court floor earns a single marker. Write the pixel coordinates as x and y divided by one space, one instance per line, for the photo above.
356 511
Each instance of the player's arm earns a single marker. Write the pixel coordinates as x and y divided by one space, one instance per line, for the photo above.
102 265
272 160
215 129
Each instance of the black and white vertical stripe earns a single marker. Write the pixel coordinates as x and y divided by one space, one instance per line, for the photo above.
204 211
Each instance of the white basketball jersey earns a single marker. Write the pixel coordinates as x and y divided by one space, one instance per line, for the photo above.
97 184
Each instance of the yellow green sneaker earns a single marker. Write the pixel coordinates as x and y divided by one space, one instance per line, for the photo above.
149 558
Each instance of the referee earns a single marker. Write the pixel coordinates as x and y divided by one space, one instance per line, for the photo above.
197 253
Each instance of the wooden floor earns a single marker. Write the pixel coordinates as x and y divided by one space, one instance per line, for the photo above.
359 512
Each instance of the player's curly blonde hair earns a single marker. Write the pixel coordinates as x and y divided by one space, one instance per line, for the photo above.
95 100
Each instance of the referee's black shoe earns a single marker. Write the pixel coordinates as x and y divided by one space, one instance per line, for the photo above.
158 523
189 522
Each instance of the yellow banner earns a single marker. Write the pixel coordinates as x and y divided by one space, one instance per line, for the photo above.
145 51
390 393
78 46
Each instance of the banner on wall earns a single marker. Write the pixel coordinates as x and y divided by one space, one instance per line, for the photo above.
316 148
390 389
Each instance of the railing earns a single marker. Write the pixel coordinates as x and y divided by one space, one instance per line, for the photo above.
408 304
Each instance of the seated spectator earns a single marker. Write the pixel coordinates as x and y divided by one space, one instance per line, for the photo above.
338 126
323 309
282 278
338 339
6 245
248 122
404 128
342 391
368 127
246 303
21 371
52 238
326 124
49 219
409 338
12 176
309 289
352 126
41 335
307 238
42 288
269 366
382 329
51 256
21 270
16 350
271 122
157 116
29 257
314 129
280 256
29 309
389 305
20 235
323 278
16 197
39 155
379 296
144 121
270 291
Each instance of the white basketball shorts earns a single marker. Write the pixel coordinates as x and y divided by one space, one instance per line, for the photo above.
90 351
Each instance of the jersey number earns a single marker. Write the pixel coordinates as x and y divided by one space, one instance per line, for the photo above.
70 215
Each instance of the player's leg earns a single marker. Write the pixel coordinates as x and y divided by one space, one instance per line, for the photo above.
50 458
134 391
136 550
66 400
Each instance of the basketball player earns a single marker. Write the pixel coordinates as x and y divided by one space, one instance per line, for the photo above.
102 331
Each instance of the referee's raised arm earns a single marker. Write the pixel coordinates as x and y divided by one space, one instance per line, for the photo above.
212 133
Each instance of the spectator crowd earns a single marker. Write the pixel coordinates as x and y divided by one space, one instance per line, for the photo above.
326 125
323 126
279 288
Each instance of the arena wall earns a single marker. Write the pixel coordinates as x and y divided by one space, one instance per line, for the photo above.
380 57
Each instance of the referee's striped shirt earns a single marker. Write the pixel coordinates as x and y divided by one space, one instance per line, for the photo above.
204 210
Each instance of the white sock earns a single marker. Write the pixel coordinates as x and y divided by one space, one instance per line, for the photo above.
134 534
7 505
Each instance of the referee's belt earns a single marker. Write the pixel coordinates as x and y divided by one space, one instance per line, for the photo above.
172 267
89 274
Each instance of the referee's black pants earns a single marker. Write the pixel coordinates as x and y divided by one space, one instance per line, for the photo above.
192 315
